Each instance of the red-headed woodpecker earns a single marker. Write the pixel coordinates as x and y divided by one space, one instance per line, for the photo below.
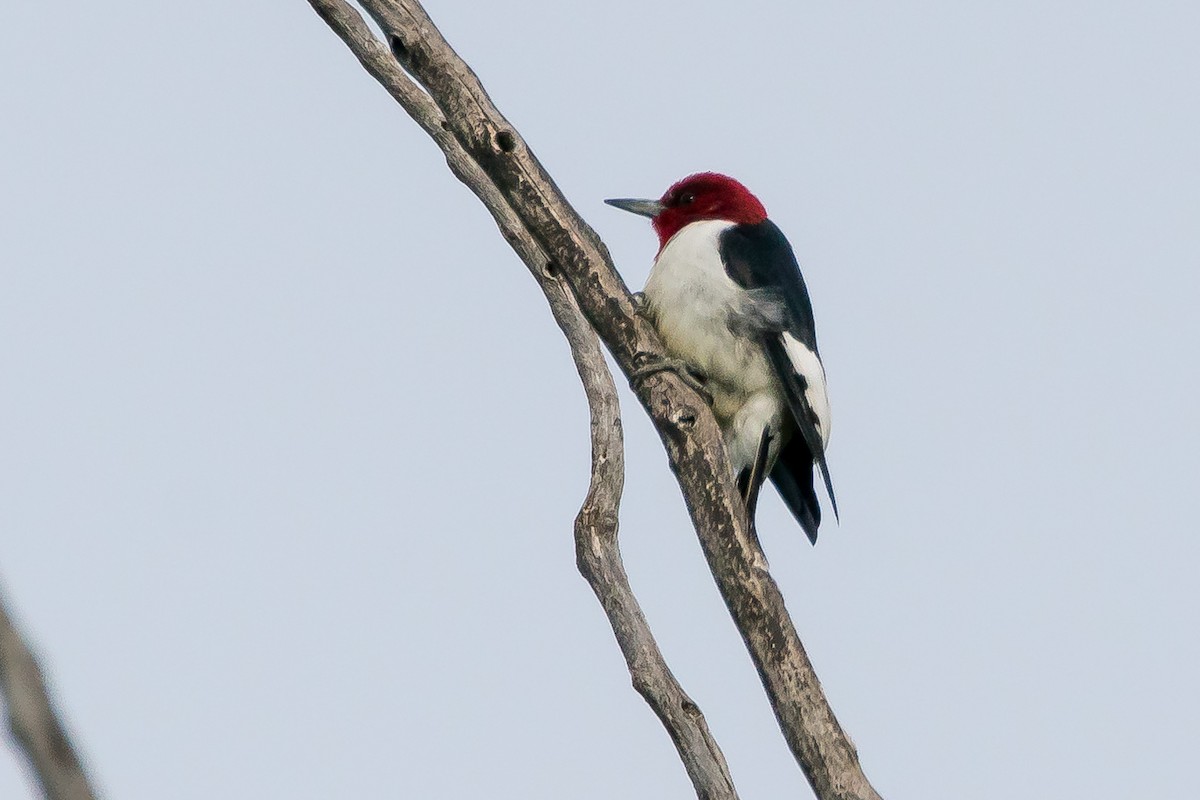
730 304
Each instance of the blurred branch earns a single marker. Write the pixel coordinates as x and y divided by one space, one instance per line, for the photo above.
35 726
484 151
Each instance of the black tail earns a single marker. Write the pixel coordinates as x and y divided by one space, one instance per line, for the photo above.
793 477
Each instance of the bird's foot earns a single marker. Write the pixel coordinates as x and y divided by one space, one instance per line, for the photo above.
692 377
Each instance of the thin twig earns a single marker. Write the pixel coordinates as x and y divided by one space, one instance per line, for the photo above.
35 725
597 552
686 425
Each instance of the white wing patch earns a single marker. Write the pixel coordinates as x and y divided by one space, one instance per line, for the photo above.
806 364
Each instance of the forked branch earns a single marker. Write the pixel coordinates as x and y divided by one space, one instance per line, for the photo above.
445 97
596 525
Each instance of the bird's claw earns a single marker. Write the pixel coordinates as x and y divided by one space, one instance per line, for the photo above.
694 379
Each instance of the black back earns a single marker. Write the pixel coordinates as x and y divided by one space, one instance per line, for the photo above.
760 259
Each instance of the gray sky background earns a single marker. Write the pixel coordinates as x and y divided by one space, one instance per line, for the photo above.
290 447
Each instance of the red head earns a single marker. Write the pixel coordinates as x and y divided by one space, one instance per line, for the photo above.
705 195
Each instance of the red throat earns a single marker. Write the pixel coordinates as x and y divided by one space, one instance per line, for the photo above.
704 196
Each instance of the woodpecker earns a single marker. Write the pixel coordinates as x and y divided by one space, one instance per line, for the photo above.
727 297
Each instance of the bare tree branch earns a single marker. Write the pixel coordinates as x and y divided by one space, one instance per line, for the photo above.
35 726
599 558
468 123
597 552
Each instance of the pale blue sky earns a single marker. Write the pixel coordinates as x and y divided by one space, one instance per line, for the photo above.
290 447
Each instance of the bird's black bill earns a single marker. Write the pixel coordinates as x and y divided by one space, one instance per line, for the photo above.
647 208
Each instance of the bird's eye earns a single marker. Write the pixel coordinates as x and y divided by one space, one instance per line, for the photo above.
686 197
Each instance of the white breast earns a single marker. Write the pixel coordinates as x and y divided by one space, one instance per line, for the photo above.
692 301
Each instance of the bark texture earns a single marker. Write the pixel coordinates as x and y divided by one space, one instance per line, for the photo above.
597 552
35 726
483 150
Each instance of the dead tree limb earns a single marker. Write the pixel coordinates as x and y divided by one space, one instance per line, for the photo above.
599 558
35 726
596 547
448 101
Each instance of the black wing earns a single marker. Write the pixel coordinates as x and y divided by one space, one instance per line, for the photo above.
759 258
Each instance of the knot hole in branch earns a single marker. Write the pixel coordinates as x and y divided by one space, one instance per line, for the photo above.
403 56
399 49
506 141
551 270
686 418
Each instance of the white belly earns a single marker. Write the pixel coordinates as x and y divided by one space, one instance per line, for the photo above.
692 301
